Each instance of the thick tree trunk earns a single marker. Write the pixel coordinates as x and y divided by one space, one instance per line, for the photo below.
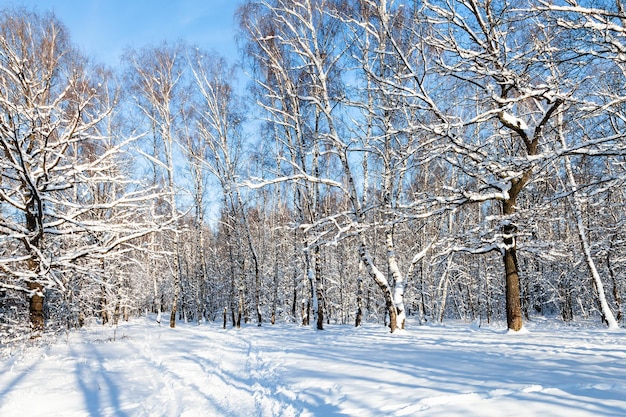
35 305
34 224
531 142
513 300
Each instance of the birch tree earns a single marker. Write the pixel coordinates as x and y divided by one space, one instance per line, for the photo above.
597 33
218 125
295 123
306 49
155 77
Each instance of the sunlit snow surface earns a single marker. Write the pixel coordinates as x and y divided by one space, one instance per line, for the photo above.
286 370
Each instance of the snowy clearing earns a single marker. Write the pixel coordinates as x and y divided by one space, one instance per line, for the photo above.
286 370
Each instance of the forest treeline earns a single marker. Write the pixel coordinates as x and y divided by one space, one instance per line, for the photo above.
441 159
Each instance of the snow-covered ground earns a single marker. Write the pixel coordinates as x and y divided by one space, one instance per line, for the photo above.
286 370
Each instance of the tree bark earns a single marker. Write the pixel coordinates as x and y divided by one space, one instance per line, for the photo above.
359 297
319 288
177 283
513 300
383 284
35 305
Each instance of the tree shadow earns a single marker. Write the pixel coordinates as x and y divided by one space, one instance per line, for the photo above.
100 390
19 377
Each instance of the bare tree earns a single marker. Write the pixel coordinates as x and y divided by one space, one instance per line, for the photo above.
296 124
596 34
218 126
155 78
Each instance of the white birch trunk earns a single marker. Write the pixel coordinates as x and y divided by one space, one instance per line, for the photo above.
442 289
577 208
381 281
398 280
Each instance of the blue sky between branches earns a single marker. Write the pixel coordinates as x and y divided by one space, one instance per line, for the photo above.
103 29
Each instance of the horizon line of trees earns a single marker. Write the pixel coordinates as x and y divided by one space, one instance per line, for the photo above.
439 159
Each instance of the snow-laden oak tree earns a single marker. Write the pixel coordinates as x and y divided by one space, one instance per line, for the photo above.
497 60
525 97
67 207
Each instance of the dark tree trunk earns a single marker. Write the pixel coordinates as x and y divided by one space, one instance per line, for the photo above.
513 300
257 282
240 309
34 224
104 313
513 304
295 300
36 306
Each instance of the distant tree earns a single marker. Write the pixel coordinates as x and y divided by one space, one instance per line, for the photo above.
155 77
597 34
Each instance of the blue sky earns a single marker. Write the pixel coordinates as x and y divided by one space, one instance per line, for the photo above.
102 29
